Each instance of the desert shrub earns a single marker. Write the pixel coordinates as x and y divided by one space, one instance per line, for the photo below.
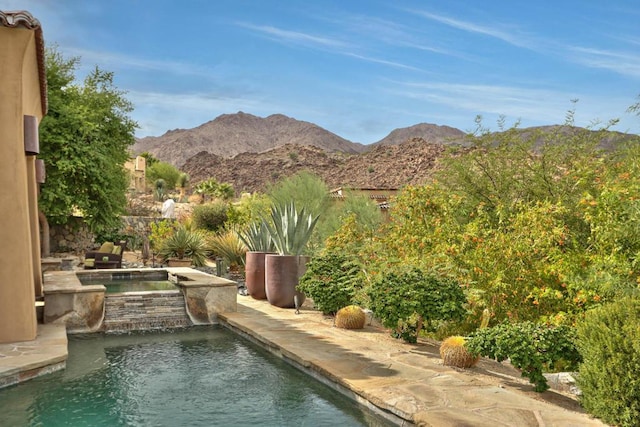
165 171
229 247
609 341
538 227
210 216
411 301
532 348
332 281
249 209
364 211
160 230
185 243
305 189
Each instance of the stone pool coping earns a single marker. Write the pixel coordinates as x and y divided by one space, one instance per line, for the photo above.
405 383
408 384
22 361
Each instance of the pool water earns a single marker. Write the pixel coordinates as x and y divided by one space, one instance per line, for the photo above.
195 377
127 285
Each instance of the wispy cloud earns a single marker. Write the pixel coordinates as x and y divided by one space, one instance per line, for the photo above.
511 36
111 60
381 61
372 30
518 102
325 44
294 37
625 63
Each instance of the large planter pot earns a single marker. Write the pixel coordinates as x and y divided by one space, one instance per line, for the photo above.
255 274
176 262
282 273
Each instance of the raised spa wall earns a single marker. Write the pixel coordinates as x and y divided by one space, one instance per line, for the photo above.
82 307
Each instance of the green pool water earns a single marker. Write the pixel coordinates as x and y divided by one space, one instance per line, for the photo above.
195 377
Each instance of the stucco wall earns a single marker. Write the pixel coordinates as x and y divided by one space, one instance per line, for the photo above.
19 96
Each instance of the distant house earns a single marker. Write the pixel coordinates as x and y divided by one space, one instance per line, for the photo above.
381 196
137 171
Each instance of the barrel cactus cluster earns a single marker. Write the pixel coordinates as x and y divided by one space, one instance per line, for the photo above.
350 317
454 353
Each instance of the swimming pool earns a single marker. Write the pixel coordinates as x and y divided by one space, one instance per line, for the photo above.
205 376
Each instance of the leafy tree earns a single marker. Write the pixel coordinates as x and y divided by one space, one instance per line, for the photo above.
212 188
365 211
85 139
150 159
305 189
165 171
251 208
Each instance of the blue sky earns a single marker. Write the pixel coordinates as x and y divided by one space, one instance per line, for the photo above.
358 68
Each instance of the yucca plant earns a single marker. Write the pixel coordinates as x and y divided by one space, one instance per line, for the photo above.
228 246
257 237
290 229
185 244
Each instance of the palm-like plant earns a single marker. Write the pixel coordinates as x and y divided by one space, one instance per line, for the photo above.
182 183
229 246
257 237
185 244
290 229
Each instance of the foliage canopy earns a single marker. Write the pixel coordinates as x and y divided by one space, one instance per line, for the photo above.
85 139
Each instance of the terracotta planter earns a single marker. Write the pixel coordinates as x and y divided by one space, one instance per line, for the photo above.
254 274
282 273
179 262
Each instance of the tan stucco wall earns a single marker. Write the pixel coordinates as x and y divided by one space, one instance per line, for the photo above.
19 265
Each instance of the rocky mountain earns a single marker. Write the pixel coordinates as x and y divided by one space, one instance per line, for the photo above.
250 152
232 134
427 131
384 166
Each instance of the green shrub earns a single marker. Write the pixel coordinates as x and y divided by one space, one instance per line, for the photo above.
160 230
332 281
165 171
609 341
185 244
411 301
228 246
210 216
531 348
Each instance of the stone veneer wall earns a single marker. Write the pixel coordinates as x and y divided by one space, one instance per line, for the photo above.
138 225
75 236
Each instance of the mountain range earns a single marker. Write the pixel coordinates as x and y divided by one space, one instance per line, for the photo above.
250 152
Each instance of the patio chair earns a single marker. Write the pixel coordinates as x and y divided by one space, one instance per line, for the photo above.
108 256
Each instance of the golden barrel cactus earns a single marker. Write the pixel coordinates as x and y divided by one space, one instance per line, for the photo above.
350 317
454 353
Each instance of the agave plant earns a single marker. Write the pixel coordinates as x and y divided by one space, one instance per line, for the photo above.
185 244
229 246
257 238
290 229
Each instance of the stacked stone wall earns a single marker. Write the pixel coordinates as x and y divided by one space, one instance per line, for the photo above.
74 237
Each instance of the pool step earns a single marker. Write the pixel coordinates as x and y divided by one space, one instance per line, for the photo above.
145 310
